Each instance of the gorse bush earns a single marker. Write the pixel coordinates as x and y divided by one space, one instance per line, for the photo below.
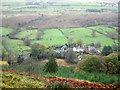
91 64
112 64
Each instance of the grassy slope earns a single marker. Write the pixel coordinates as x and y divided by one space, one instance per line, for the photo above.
67 72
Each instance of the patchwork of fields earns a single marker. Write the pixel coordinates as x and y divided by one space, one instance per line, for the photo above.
59 37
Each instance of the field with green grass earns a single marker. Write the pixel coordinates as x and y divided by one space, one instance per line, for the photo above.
52 37
31 34
82 7
84 34
105 29
16 46
34 9
5 31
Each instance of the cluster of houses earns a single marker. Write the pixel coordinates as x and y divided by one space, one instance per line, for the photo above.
91 50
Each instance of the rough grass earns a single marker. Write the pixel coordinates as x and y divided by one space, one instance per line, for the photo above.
52 37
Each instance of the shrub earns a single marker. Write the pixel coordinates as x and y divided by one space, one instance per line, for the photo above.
51 66
91 64
112 64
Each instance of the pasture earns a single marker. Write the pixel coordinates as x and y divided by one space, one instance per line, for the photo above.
52 37
16 46
84 34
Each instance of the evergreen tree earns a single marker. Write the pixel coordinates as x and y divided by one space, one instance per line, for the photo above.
51 66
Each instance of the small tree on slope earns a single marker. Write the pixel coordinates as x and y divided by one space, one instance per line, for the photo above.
51 66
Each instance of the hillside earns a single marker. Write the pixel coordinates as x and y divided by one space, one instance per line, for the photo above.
16 79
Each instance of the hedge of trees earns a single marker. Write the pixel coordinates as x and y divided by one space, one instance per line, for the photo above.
103 64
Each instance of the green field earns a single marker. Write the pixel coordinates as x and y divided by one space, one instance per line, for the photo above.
84 34
5 31
34 9
16 46
52 37
104 29
82 7
51 8
31 34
